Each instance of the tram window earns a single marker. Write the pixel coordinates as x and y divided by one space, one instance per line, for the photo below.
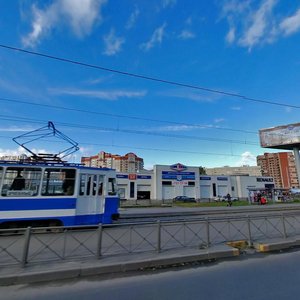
82 184
21 182
112 186
1 174
69 182
101 182
57 182
94 185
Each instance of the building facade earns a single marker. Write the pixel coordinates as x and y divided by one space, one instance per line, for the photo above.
243 170
167 182
129 163
281 166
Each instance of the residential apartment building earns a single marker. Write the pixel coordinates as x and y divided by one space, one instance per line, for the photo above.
281 166
129 163
238 171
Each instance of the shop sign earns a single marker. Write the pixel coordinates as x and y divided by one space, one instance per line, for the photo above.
263 179
178 167
179 176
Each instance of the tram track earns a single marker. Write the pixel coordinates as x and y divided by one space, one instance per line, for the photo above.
227 213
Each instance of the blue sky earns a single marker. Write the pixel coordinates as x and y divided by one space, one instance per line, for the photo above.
249 48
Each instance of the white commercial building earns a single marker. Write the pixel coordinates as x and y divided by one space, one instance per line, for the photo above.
166 182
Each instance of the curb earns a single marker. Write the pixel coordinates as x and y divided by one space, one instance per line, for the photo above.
94 268
269 246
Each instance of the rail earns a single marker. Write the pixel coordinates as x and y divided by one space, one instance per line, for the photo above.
40 245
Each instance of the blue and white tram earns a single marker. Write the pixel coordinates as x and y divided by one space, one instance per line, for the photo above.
41 194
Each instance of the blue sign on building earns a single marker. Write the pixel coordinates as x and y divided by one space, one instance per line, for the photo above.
205 178
178 175
222 178
144 177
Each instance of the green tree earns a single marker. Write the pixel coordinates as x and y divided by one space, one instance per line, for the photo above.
202 171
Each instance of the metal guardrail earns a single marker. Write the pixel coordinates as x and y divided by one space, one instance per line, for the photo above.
39 245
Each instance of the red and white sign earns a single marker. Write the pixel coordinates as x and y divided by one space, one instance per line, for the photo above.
181 183
132 176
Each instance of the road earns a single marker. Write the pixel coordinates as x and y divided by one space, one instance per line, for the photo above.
260 277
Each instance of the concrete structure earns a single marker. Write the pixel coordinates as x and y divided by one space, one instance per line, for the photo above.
243 170
283 137
281 166
129 163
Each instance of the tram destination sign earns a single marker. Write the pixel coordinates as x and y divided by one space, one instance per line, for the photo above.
281 137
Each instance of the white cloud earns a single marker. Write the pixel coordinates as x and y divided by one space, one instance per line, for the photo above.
19 151
251 25
132 19
230 37
220 120
12 152
100 94
191 95
167 3
79 15
95 81
260 25
112 43
175 128
291 24
235 108
186 34
247 158
16 129
288 109
156 38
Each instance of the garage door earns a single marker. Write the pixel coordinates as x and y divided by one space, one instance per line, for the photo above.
205 191
189 191
144 188
167 192
222 190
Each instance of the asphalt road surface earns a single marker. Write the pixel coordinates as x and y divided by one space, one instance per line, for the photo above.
255 277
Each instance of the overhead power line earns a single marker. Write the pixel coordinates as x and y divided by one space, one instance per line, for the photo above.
129 131
149 78
142 148
125 116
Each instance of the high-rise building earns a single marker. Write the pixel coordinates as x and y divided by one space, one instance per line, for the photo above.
281 166
129 163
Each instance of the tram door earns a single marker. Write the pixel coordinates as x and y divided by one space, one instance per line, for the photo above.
90 201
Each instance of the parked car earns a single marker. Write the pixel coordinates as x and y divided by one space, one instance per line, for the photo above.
224 198
185 199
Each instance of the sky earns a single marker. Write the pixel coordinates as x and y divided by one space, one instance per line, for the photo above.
160 78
